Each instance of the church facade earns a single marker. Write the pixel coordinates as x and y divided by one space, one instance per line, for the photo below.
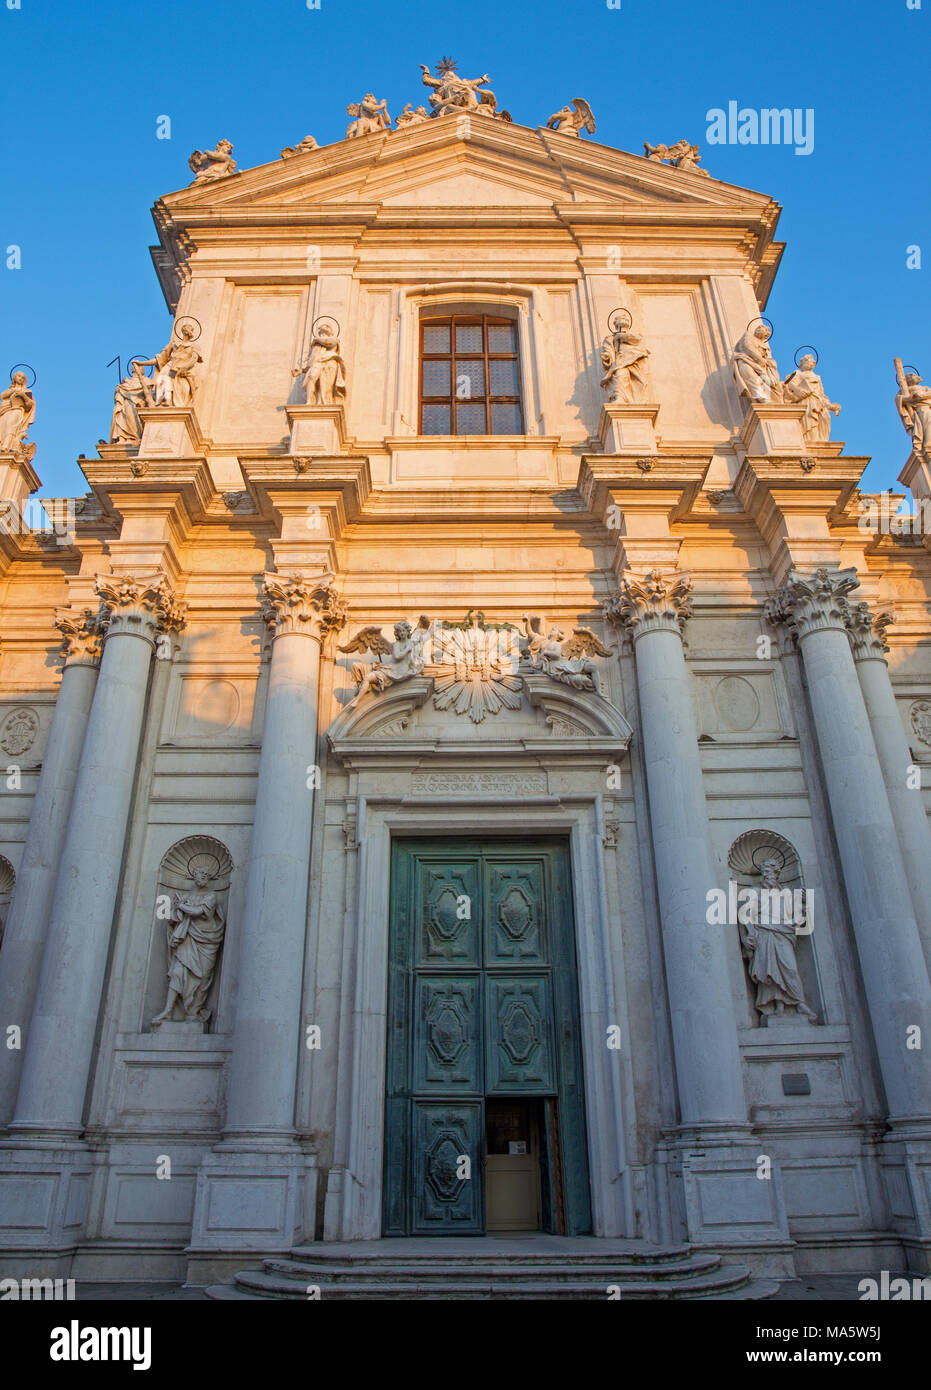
465 751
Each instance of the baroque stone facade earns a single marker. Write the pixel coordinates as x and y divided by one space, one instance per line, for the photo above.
624 628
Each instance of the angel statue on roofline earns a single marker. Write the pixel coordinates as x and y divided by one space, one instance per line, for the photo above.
565 659
394 661
572 120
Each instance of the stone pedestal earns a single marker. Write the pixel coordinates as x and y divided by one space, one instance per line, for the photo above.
316 429
249 1189
170 431
627 428
27 922
18 478
773 429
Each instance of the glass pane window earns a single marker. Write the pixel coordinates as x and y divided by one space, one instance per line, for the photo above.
470 376
502 377
436 337
501 337
436 378
435 419
469 337
505 419
470 419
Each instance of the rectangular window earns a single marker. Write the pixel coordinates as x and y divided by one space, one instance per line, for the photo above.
469 376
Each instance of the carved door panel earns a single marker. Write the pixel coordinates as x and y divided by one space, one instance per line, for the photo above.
482 1003
448 1177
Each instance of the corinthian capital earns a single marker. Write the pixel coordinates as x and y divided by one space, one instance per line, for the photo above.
652 602
82 635
813 602
299 603
867 633
145 606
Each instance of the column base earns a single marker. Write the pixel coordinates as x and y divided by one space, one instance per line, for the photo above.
44 1194
905 1161
730 1204
250 1199
628 428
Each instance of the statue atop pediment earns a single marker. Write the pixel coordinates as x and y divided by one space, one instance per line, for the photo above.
682 155
452 94
562 658
412 116
369 115
572 120
302 146
804 387
207 165
753 366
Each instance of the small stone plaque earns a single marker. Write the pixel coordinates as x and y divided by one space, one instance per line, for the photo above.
795 1083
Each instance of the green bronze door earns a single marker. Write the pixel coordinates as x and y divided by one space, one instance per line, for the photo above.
482 1004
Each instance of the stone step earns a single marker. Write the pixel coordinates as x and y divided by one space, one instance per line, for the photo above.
726 1281
548 1267
428 1253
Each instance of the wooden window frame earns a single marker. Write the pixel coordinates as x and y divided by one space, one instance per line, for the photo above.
452 321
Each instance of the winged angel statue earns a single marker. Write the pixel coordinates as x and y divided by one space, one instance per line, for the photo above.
394 661
566 659
571 120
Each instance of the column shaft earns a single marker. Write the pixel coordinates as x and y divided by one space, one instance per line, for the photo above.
894 972
62 1032
708 1065
25 933
266 1043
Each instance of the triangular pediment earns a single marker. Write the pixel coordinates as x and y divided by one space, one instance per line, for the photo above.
442 164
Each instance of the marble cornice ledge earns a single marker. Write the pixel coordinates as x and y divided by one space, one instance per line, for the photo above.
341 486
799 506
127 485
655 483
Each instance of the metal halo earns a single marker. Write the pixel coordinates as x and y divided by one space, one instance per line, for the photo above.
15 368
326 318
188 318
764 852
812 350
906 369
622 310
135 358
762 319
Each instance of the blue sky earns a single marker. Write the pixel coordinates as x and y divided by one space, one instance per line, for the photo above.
85 84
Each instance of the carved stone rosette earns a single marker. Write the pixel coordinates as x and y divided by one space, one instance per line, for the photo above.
813 602
867 633
145 607
652 602
298 603
82 635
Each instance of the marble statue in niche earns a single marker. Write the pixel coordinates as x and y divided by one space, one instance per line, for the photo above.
324 371
207 165
803 387
199 869
754 369
17 412
565 659
394 661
